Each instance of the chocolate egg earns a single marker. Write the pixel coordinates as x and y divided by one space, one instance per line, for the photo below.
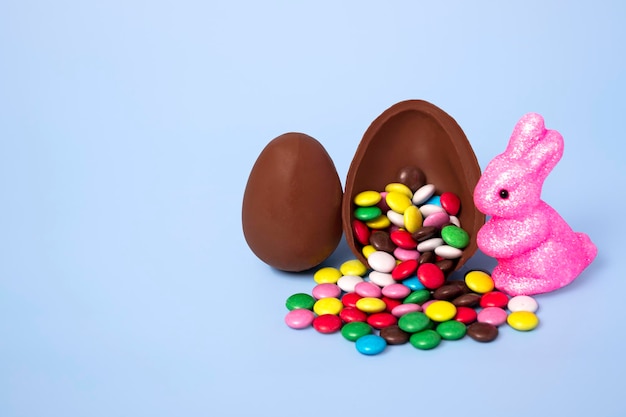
415 133
291 212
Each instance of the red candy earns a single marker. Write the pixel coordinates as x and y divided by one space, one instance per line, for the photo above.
494 299
350 299
403 239
381 320
450 203
431 276
350 314
390 303
327 323
361 232
404 269
465 315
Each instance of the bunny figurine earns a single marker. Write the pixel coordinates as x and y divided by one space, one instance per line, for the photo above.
536 250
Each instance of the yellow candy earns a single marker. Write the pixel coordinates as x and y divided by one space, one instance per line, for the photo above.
367 250
367 198
328 305
398 187
440 311
381 222
523 320
479 282
398 202
327 275
371 305
353 267
413 219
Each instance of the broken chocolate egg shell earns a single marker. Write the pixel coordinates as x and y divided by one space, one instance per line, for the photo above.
291 211
415 133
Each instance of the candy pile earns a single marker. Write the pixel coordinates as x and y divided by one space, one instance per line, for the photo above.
374 312
408 228
412 240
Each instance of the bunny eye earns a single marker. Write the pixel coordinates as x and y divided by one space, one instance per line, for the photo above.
504 194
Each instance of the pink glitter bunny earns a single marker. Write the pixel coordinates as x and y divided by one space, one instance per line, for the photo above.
536 250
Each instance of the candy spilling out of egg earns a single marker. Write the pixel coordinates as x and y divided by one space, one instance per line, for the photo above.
415 133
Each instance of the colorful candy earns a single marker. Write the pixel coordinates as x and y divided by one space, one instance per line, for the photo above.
522 320
370 344
425 340
371 305
522 303
327 323
329 305
353 267
395 312
440 310
451 330
299 318
411 238
355 330
479 282
300 300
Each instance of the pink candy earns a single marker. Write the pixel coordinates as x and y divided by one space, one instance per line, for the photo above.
326 290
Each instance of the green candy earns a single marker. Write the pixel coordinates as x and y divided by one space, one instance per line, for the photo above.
455 236
300 300
417 297
355 329
367 213
425 340
451 330
413 322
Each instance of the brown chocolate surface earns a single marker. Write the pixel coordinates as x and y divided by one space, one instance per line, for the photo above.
291 211
415 133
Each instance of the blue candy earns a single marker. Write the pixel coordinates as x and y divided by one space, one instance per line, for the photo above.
370 344
413 283
436 200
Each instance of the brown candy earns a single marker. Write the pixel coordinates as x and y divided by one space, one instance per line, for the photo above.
425 233
482 332
427 258
415 133
394 335
381 240
467 300
412 177
446 265
448 292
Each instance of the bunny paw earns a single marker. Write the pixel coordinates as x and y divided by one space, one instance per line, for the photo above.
519 285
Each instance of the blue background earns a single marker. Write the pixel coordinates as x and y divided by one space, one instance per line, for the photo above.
127 133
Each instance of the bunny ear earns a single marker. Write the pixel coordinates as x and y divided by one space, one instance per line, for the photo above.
546 153
528 131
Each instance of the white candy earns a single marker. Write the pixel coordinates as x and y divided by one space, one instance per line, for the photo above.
455 221
348 282
522 303
381 279
448 252
396 218
428 209
429 245
424 193
381 261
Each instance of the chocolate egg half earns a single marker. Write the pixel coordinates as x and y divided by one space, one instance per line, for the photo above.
415 133
291 212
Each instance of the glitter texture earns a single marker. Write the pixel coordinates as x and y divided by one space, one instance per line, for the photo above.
536 250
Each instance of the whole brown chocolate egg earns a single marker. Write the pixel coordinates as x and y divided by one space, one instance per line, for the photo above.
291 212
415 133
